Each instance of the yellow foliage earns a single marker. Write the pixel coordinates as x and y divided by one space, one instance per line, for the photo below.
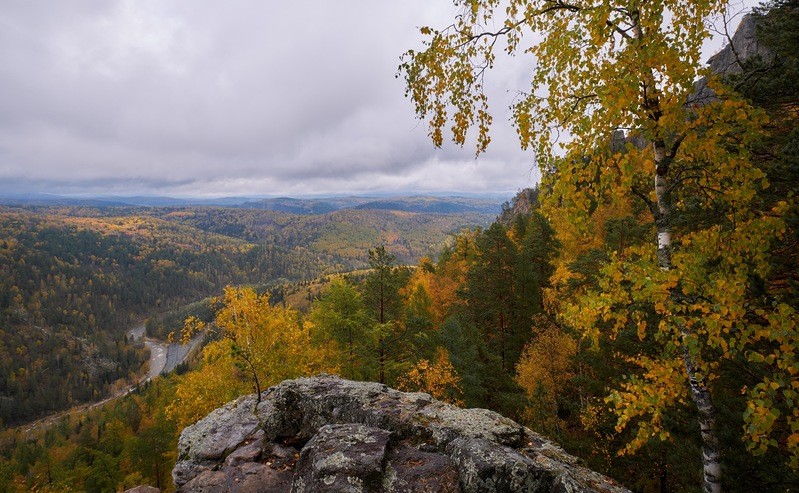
544 372
270 339
215 383
439 379
261 345
604 66
662 386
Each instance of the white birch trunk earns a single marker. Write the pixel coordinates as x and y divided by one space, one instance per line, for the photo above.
700 394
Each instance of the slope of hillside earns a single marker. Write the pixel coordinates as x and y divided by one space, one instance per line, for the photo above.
73 278
70 284
340 238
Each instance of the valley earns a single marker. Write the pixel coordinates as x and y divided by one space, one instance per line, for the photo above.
72 277
164 358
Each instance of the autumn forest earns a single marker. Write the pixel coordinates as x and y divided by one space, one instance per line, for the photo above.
639 306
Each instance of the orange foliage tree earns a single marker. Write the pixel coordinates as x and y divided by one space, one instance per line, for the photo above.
437 378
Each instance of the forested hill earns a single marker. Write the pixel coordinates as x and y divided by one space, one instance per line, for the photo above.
72 279
338 239
70 285
661 364
417 203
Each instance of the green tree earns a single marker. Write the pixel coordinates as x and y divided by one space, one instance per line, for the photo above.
103 474
340 315
381 292
419 316
606 67
537 249
771 83
490 294
153 450
467 353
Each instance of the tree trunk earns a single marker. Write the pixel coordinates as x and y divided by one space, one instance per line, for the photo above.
502 339
157 473
351 358
711 464
382 362
650 99
700 394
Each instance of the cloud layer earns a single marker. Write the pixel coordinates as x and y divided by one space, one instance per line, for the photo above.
196 97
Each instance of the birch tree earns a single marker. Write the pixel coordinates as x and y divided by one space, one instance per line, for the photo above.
259 345
617 79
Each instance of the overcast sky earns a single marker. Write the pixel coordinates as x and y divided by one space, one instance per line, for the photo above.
242 97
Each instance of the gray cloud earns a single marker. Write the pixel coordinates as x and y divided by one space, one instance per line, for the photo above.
240 97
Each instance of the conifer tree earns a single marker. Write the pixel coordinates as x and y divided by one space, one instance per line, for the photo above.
340 315
381 293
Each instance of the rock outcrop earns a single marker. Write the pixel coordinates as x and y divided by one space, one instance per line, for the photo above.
744 45
522 204
729 61
326 434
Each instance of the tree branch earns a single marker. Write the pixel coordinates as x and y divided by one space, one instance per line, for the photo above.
649 202
505 30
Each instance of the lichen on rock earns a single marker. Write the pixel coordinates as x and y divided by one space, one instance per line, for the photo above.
327 434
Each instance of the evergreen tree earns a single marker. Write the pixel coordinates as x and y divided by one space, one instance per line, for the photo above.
491 298
381 292
606 66
340 316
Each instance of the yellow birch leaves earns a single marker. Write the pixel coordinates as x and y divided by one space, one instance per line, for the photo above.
257 341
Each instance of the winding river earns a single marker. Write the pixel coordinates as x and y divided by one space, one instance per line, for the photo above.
163 359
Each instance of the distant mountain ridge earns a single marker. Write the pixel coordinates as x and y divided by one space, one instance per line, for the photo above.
435 205
416 203
303 206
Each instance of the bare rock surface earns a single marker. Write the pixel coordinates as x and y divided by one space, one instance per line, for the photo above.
346 457
326 434
744 45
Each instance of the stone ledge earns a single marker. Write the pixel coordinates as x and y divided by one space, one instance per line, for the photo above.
326 434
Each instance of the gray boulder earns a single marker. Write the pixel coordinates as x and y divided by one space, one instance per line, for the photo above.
344 458
326 434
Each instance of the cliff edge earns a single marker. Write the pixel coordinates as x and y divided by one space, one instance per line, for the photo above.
326 434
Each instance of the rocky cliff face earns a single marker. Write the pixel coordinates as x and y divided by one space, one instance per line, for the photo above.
326 434
744 45
522 204
727 62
